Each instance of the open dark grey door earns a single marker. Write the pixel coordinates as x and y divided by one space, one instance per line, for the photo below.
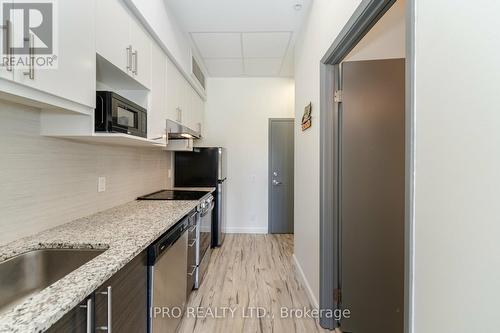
372 195
281 152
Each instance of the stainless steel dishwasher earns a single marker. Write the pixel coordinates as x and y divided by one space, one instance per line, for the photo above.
167 261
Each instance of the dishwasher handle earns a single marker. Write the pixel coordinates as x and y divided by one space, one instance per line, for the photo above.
157 249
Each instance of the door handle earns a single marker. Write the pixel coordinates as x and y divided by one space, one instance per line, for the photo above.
88 307
135 55
192 272
109 327
8 42
276 183
129 56
31 69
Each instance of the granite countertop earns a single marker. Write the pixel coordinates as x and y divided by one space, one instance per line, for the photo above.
124 232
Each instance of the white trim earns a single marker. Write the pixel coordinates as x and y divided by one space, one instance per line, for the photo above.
246 230
303 279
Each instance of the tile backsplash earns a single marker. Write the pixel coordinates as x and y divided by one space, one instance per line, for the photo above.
45 182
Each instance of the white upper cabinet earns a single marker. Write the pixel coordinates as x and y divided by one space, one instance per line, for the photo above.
6 72
72 80
174 92
122 41
157 113
113 30
199 113
141 54
184 105
74 77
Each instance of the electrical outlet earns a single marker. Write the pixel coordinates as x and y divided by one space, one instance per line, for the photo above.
101 186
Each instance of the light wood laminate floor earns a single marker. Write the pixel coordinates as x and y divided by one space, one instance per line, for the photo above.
249 271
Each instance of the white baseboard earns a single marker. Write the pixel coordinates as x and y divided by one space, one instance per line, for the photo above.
246 230
302 278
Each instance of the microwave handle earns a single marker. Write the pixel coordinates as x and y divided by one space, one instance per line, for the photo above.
102 109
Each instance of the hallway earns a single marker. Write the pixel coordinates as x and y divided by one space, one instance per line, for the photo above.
250 271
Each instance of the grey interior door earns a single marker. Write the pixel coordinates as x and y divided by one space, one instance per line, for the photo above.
372 165
281 150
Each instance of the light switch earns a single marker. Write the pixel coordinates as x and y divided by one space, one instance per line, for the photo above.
101 187
169 173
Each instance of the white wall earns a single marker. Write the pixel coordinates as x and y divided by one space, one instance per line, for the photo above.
386 39
326 19
457 220
47 182
167 30
236 117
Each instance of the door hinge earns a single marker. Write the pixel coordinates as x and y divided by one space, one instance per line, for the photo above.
337 296
337 97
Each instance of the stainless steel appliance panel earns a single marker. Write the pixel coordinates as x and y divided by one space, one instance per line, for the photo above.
169 285
205 238
219 223
192 252
202 267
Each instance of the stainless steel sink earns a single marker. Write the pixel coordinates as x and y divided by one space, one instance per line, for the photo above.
30 272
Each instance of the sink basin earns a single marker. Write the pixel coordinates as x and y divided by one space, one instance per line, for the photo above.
30 272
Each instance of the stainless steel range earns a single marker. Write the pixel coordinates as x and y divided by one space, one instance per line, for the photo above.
204 233
199 230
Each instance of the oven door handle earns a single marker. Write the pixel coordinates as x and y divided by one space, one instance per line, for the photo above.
212 205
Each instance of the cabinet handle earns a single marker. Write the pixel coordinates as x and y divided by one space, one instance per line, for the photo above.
192 272
129 56
8 41
107 328
179 115
89 314
31 69
135 55
192 243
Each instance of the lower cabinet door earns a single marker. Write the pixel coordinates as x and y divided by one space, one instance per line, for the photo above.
122 300
78 320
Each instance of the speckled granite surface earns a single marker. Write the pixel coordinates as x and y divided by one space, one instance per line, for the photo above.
124 231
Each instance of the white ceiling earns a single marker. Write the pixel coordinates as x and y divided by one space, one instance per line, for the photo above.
242 37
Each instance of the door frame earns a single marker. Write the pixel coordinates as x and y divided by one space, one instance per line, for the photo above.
269 175
364 18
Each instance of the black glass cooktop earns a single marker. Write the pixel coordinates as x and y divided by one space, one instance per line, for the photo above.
174 195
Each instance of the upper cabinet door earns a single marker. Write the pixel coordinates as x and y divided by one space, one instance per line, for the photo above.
199 113
6 72
174 91
113 33
141 53
73 78
157 113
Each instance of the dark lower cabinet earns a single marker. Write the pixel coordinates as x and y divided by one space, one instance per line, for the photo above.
121 302
77 320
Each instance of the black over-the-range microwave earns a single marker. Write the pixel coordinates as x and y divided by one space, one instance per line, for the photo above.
116 114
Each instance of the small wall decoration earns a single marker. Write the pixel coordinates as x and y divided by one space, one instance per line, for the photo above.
306 118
